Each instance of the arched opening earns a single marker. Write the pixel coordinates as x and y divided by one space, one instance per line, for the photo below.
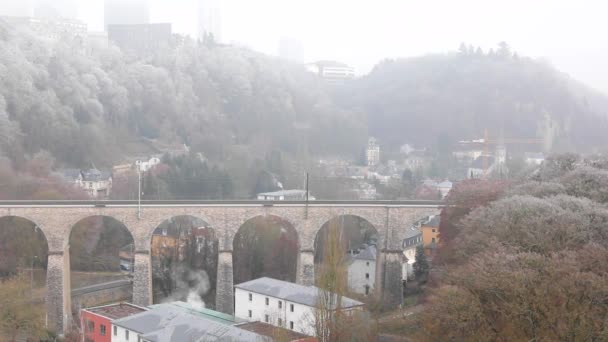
346 254
265 246
184 261
23 264
101 263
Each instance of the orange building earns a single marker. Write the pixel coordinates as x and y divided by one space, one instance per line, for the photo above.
430 233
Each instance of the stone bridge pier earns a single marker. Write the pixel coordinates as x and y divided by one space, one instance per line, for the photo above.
56 219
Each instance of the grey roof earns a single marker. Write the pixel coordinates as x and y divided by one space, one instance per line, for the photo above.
366 253
412 232
93 175
184 328
296 293
170 323
434 221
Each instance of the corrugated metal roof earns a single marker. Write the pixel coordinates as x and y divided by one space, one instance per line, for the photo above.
296 293
171 323
202 312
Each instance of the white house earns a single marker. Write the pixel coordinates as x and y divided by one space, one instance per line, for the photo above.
413 238
443 187
282 304
146 165
534 158
362 270
97 184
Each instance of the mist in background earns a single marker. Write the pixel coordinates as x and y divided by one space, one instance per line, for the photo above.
361 33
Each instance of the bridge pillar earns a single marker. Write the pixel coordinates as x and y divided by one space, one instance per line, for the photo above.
306 268
142 278
391 278
224 298
58 300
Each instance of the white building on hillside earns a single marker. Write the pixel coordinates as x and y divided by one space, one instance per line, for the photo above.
362 270
282 304
285 195
413 238
97 184
146 165
372 153
534 158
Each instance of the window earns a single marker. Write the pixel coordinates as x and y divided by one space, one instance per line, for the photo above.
291 307
102 330
249 313
280 322
115 331
280 304
90 326
250 297
367 263
366 275
126 334
433 240
291 325
267 301
266 318
366 289
433 230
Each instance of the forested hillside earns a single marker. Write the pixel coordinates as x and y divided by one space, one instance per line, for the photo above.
84 105
247 113
454 96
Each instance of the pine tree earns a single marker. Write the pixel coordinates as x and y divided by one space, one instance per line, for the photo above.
421 266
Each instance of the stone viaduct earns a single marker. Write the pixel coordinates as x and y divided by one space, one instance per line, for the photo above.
56 219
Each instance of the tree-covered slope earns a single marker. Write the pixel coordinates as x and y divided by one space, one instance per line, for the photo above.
459 95
83 104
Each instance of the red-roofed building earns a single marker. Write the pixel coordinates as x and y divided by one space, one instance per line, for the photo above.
96 322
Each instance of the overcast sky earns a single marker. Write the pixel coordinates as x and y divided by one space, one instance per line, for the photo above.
572 35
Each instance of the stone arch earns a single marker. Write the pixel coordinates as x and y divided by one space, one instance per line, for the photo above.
358 239
40 248
100 250
367 233
280 261
184 255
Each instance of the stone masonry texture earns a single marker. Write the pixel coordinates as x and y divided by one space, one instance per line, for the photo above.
56 222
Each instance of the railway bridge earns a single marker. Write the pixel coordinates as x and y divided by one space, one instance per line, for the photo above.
56 219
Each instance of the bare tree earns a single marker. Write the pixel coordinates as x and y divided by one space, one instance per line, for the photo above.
332 282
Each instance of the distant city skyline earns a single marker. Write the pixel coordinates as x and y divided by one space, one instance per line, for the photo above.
564 32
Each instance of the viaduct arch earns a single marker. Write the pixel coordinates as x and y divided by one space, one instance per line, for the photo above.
56 219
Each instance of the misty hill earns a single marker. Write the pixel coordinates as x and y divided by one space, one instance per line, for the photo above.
449 97
86 105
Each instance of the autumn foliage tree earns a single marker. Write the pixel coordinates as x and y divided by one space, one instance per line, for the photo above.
464 198
529 265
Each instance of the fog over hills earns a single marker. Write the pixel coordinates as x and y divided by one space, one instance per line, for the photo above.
228 102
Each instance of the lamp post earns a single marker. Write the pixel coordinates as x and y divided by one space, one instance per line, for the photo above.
138 163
